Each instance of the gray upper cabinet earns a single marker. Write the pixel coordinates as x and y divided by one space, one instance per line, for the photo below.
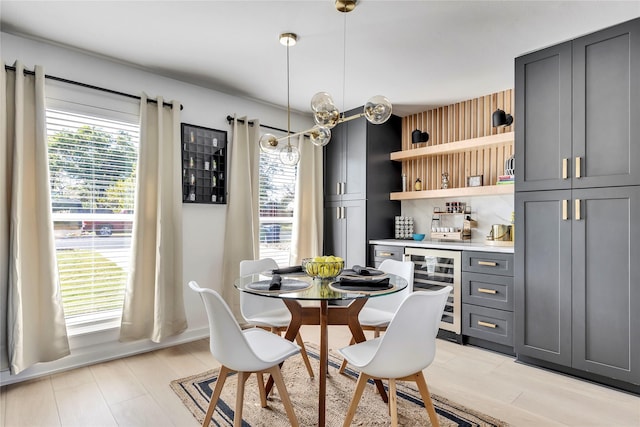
543 119
358 178
577 109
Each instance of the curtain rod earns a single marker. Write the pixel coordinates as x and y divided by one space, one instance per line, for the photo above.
230 120
102 89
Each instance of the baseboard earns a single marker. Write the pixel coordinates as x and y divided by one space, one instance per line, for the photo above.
99 353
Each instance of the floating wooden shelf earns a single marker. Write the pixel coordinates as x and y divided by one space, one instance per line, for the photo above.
454 147
487 190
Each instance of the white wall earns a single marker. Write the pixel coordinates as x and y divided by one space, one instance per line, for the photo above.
204 225
487 210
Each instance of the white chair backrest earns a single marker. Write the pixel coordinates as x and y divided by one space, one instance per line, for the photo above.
252 305
409 344
391 302
226 340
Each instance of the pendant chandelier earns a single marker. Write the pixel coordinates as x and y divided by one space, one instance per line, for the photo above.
326 115
377 109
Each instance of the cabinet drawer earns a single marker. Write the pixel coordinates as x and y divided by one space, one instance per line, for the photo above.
488 262
381 252
488 290
488 324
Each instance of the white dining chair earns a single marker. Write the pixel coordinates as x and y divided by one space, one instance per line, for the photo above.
270 313
406 348
245 352
378 311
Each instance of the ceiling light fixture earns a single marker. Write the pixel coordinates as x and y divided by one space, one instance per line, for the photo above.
377 109
289 154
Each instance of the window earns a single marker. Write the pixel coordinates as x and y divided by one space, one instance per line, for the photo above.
277 194
92 164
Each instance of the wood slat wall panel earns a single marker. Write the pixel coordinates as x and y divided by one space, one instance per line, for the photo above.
463 120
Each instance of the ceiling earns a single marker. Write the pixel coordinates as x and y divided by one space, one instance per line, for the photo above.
419 54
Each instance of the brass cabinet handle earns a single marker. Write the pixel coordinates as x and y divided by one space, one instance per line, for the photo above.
565 209
342 212
565 164
578 167
487 324
337 188
337 212
342 185
487 291
385 254
577 209
488 263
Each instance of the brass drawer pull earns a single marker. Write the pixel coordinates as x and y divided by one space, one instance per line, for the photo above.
487 291
487 324
385 254
577 210
578 164
488 263
565 162
565 210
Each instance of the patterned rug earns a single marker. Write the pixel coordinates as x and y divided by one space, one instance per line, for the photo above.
195 392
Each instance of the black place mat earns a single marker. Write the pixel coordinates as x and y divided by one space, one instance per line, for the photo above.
287 285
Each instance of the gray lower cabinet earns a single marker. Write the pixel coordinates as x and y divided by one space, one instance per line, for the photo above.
487 299
381 252
344 230
577 280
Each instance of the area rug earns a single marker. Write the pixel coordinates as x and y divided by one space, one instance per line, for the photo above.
195 392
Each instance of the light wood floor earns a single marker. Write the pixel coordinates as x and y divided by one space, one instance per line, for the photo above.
135 391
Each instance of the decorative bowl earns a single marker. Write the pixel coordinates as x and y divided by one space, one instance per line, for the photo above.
322 269
418 237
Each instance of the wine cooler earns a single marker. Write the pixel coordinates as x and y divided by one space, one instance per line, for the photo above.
435 269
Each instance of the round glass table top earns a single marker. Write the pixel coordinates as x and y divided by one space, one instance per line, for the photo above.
302 287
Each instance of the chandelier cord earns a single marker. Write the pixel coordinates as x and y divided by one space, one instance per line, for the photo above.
344 62
288 101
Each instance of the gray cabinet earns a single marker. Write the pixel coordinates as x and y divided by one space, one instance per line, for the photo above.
381 252
487 299
577 275
358 178
577 109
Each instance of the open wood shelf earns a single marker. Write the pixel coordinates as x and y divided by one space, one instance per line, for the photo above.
454 147
487 190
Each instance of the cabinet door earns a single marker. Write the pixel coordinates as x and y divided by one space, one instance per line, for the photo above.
355 160
334 230
606 107
543 276
543 119
606 283
356 243
334 164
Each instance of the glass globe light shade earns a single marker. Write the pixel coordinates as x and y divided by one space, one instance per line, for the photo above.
320 99
320 136
325 112
377 109
290 155
268 143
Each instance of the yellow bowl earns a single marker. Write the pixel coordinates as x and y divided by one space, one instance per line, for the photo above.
322 269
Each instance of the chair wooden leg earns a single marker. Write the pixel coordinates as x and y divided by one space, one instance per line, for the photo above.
222 376
305 356
393 403
357 394
426 398
284 395
237 418
261 390
343 366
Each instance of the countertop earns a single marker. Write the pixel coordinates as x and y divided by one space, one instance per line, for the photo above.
437 244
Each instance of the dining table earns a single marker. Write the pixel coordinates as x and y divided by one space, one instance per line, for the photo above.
323 302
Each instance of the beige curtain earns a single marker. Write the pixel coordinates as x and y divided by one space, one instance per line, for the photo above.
242 227
36 330
153 304
306 236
